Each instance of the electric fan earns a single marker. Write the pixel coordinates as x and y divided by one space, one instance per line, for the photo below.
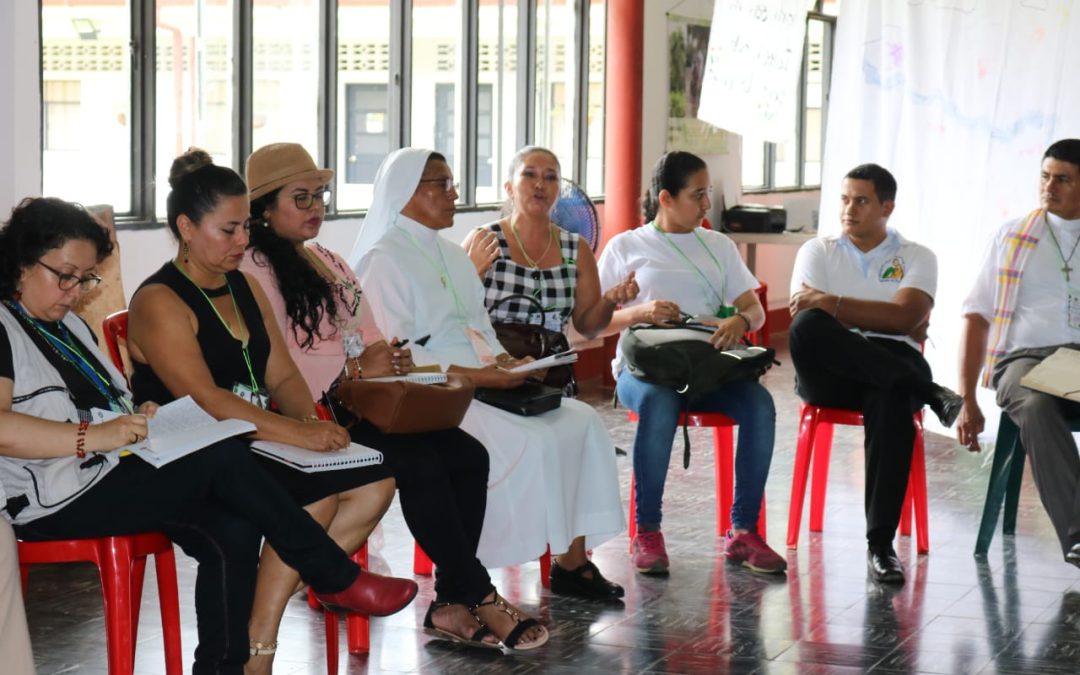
574 212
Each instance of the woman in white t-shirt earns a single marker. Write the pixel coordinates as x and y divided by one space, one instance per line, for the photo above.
683 269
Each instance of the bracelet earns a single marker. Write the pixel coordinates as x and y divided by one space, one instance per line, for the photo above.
357 371
80 439
836 310
745 320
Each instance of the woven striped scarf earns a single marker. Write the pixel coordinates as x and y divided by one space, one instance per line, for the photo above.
1019 243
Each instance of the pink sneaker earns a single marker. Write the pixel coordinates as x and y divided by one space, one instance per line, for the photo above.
649 554
751 551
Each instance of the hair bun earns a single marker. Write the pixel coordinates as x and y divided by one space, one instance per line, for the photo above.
188 163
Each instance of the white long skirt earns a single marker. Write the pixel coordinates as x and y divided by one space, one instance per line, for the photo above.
552 479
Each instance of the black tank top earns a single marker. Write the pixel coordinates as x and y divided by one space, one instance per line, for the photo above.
223 353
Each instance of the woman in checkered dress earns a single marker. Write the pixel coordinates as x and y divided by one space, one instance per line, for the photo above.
524 253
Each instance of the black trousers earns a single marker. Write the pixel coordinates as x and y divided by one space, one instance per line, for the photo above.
442 482
216 504
837 368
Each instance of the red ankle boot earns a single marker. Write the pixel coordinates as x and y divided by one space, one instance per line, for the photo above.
371 594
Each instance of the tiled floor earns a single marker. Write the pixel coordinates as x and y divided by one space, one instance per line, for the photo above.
1017 612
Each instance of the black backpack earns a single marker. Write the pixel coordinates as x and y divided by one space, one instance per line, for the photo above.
682 358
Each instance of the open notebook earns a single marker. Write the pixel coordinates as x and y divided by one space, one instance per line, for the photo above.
310 461
1058 374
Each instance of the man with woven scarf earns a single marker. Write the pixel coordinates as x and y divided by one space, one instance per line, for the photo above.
1024 306
860 302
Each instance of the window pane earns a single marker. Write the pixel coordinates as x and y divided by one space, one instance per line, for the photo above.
364 125
436 79
496 107
813 123
285 68
86 102
784 165
194 84
753 163
594 158
556 93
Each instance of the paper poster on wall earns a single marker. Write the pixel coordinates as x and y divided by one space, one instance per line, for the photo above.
751 76
688 42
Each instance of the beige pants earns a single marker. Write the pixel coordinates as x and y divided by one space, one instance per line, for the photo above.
14 638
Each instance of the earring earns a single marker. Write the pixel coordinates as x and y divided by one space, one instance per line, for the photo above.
185 249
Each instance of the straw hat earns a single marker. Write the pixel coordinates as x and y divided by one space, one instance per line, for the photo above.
272 166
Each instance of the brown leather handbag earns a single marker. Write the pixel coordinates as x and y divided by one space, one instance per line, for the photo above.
401 407
533 339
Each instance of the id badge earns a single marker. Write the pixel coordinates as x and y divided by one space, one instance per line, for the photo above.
259 398
480 346
1073 308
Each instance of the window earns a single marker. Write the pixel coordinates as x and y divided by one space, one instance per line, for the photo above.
127 85
796 164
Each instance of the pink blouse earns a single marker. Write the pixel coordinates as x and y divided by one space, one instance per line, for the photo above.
321 363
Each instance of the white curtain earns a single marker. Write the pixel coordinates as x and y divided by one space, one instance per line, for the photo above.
958 99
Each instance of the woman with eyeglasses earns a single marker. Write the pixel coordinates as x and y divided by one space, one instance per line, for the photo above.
63 476
686 270
200 327
441 476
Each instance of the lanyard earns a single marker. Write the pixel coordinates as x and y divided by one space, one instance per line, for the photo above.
444 277
723 277
255 388
68 349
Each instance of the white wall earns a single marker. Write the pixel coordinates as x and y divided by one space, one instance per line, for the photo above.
20 103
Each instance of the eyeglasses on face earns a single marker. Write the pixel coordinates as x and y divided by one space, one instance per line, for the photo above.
448 184
67 281
305 200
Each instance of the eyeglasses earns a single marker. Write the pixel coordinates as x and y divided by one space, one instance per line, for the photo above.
305 200
66 281
448 184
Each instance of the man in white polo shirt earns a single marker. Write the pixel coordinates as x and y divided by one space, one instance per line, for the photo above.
861 303
1026 304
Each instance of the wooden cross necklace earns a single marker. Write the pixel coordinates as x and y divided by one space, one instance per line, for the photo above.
1065 267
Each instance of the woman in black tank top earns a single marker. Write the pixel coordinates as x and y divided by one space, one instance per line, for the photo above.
197 327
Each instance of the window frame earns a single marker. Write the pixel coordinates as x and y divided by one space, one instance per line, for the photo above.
770 149
143 50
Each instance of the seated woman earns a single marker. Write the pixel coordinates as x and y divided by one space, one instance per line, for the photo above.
14 638
552 481
683 269
441 476
63 478
559 272
199 327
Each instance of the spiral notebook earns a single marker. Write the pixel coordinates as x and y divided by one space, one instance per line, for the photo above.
418 378
310 461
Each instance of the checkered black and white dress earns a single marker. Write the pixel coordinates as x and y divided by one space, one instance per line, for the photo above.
553 287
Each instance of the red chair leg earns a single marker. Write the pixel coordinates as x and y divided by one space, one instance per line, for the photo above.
723 443
138 577
804 448
115 566
330 620
545 569
631 517
919 494
820 479
168 597
358 626
421 562
762 530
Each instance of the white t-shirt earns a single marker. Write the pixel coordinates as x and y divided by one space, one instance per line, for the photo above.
835 265
1040 318
699 270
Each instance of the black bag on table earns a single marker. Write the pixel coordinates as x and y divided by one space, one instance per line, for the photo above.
682 358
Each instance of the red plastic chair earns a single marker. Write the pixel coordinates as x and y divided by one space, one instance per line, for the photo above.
121 563
423 566
724 461
815 434
115 328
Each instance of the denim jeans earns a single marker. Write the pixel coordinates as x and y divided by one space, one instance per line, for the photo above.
749 404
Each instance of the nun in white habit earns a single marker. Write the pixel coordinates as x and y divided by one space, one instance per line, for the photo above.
552 480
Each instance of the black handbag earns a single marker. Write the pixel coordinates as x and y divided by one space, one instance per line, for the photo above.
535 340
682 358
527 399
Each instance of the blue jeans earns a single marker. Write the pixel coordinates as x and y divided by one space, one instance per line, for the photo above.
749 404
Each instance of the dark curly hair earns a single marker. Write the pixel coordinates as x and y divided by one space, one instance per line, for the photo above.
308 295
38 225
672 172
197 186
